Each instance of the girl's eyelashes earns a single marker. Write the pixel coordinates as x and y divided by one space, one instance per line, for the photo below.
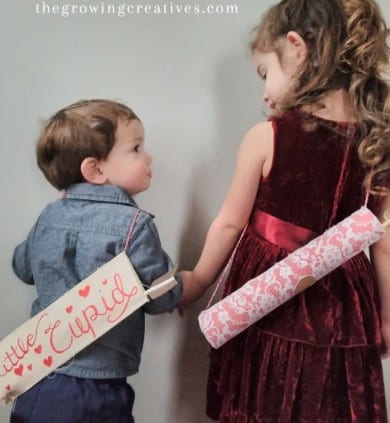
137 148
261 72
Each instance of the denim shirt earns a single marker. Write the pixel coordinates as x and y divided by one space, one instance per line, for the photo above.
74 236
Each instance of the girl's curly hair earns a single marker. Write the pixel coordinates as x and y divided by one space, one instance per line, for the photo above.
347 48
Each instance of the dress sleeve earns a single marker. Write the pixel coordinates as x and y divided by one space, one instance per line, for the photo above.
150 261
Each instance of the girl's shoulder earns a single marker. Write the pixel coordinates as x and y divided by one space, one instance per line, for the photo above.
257 147
260 129
259 136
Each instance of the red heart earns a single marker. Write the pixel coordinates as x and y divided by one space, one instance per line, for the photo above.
105 282
38 349
84 292
8 387
19 370
29 367
48 361
69 309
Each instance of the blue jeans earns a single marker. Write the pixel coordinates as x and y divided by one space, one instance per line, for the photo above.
67 399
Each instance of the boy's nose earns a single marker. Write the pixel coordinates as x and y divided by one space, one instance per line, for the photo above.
149 158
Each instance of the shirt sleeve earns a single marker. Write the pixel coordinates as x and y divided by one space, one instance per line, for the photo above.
21 261
150 261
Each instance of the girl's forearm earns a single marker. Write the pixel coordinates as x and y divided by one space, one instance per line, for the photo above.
380 255
220 241
381 260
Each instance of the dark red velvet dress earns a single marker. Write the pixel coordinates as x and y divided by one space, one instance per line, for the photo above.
317 357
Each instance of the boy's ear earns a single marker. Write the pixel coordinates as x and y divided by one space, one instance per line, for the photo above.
297 45
90 169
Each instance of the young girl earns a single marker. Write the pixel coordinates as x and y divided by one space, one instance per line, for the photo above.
316 358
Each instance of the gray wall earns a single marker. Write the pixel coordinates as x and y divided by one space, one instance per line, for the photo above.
190 79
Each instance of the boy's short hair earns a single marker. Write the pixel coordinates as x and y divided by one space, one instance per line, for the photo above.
83 129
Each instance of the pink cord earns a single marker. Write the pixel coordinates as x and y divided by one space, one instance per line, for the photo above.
131 229
366 200
225 270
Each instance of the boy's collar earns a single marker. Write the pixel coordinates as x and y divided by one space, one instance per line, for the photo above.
101 193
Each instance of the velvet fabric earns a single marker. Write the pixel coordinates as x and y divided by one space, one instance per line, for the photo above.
279 232
317 357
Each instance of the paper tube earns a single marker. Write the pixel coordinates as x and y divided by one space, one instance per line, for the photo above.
299 270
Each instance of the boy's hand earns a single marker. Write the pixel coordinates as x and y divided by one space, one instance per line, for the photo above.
192 290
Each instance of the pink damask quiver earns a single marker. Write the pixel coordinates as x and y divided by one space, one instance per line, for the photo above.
300 269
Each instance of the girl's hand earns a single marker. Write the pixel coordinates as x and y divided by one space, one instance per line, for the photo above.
386 340
192 290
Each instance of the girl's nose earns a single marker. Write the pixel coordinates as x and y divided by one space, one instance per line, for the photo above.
268 101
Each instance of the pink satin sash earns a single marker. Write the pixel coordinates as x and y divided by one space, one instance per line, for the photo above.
279 232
